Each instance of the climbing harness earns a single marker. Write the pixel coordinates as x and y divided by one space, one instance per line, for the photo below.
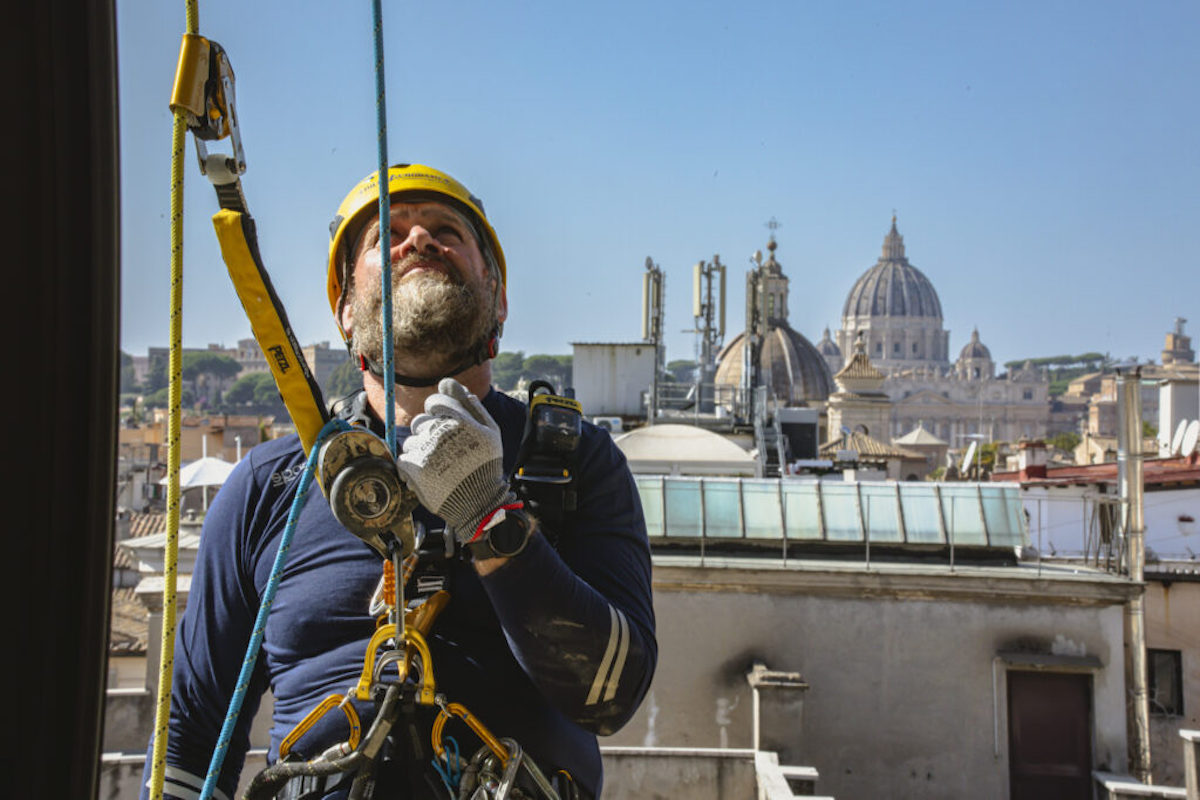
356 470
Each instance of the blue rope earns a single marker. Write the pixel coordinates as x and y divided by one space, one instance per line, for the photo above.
389 388
385 235
264 609
451 773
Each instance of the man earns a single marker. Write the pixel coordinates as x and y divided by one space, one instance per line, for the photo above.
548 644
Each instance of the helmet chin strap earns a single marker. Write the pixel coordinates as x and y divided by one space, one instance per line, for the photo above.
487 349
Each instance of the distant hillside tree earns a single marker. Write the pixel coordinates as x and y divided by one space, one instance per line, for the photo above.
681 371
507 369
556 369
161 399
345 378
1064 369
1066 442
128 374
156 374
254 393
207 370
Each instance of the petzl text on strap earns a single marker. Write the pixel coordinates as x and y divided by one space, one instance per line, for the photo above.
268 321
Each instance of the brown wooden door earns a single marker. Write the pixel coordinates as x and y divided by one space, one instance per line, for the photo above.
1049 736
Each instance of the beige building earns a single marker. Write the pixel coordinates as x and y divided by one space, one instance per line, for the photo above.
901 677
859 402
874 457
1073 511
322 359
894 307
1178 348
898 313
1173 650
931 447
970 400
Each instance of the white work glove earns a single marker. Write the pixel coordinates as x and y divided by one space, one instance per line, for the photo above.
454 459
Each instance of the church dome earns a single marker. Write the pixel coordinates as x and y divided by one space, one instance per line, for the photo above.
975 348
788 363
796 372
827 346
893 287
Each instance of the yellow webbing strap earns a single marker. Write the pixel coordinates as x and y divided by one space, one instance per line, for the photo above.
268 321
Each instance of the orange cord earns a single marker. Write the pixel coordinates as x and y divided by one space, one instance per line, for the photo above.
389 582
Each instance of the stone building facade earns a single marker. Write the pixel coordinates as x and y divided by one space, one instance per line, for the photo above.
894 307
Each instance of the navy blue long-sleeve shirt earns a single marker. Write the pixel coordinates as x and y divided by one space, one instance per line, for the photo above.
551 649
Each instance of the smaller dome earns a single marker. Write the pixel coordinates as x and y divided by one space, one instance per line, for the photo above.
975 348
827 346
796 372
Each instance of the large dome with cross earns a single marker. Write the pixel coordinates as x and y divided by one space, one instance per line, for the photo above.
897 311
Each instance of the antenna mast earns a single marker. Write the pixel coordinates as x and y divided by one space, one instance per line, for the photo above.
653 288
709 314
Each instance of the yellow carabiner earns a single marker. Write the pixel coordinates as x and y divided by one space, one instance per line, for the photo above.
411 637
334 700
460 711
417 622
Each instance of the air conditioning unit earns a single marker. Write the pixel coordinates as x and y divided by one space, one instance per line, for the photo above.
610 424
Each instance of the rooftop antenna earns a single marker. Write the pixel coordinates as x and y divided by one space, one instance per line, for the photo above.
709 314
653 286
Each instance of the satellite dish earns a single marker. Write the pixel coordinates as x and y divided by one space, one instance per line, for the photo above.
1177 439
970 455
1190 438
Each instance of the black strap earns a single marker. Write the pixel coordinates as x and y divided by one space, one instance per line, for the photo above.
483 352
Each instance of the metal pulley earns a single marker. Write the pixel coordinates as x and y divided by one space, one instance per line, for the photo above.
359 476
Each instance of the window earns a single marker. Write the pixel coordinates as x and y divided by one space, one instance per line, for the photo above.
914 348
1027 394
879 348
1165 671
896 348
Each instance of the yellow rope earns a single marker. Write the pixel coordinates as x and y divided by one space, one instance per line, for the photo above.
166 661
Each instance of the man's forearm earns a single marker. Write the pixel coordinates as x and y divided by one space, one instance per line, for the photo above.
591 652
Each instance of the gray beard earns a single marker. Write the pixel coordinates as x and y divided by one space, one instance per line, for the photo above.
435 320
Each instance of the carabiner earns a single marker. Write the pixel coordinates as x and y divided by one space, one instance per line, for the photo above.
310 719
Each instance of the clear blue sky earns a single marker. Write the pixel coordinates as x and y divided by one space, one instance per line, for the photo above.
1042 157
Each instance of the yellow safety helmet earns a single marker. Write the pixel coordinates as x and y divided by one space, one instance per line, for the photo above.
410 183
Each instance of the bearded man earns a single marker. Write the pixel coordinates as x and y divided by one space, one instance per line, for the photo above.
548 643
